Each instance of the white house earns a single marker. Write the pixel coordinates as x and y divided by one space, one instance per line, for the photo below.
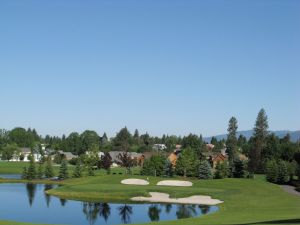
159 147
24 155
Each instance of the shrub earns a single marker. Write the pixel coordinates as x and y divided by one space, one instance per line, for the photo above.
205 171
154 166
48 169
187 164
24 173
272 171
31 172
283 176
77 171
239 170
40 172
222 170
63 170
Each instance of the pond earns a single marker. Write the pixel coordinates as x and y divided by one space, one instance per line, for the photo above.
30 203
10 176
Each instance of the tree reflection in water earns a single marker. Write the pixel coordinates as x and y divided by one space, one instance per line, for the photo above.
62 202
154 212
31 189
90 211
185 211
125 213
47 197
104 211
168 208
204 209
93 210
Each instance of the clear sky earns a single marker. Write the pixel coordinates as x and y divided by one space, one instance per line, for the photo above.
173 66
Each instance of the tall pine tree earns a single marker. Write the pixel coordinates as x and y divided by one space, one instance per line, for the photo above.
63 170
48 169
231 144
259 142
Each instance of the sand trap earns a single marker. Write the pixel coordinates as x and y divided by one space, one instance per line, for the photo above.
165 198
178 183
135 182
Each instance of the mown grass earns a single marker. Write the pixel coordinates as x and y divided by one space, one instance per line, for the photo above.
246 201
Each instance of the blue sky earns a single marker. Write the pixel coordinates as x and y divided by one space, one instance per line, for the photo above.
160 66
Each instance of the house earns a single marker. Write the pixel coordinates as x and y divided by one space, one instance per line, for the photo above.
159 147
210 147
24 155
137 158
67 155
217 158
100 154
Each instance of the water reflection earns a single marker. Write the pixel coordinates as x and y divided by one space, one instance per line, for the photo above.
94 210
31 188
125 212
154 212
186 211
34 205
47 197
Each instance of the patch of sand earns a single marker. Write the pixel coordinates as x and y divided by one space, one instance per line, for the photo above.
290 189
135 182
178 183
165 198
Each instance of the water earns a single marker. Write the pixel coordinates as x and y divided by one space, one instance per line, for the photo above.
30 203
10 176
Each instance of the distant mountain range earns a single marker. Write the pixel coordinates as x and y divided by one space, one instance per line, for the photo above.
295 135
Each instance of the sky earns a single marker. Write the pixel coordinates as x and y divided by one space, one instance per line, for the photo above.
163 67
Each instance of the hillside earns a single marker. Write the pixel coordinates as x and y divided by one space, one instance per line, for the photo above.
295 135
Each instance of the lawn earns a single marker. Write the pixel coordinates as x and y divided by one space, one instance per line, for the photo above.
246 201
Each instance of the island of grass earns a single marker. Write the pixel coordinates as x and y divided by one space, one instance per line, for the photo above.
246 201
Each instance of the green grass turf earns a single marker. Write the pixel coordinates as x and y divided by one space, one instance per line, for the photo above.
246 201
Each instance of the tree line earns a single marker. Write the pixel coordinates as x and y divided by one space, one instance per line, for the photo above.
264 150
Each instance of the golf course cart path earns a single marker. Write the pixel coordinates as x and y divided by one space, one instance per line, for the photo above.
135 182
158 197
290 189
178 183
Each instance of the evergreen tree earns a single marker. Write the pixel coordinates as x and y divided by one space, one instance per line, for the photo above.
40 172
205 171
168 169
104 139
48 169
31 172
239 170
283 175
187 163
136 137
24 173
259 142
123 139
272 171
63 170
231 143
77 171
221 171
153 166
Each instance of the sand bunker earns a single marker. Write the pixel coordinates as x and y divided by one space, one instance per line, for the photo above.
135 182
178 183
165 198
